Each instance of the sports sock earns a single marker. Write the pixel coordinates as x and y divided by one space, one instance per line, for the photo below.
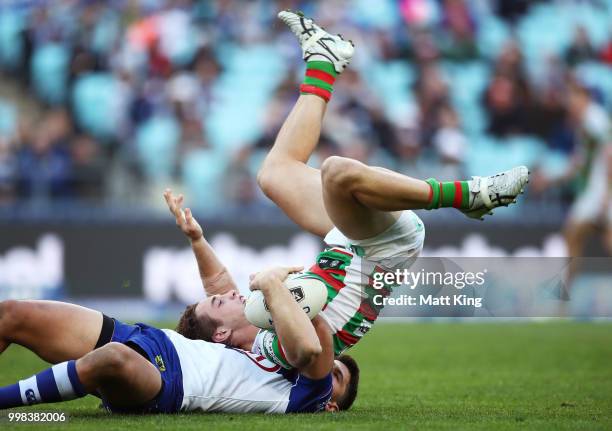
448 194
58 383
319 80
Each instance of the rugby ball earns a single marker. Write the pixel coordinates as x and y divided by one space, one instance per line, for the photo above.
309 292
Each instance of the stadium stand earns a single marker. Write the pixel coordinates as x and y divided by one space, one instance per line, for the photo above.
191 93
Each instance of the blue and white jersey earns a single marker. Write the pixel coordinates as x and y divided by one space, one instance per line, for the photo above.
217 378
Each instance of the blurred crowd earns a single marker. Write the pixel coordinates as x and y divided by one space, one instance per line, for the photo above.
117 99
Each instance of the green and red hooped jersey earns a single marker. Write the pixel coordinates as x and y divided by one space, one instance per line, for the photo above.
350 310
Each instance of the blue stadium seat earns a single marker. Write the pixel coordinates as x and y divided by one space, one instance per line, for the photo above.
49 72
597 21
560 22
554 163
11 46
252 75
488 155
493 33
156 143
8 118
392 82
95 97
597 76
202 174
383 16
105 33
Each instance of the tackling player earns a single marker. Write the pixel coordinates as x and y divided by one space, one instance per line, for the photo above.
141 369
362 212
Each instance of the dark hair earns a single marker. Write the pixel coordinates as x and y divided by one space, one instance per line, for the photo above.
196 328
348 398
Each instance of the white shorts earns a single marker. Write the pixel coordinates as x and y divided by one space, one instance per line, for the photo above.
403 239
590 207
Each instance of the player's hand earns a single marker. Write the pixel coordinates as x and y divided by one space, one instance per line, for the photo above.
184 219
272 277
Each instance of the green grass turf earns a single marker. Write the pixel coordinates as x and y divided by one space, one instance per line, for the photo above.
449 376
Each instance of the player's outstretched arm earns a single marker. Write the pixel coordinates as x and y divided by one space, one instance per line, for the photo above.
214 275
297 335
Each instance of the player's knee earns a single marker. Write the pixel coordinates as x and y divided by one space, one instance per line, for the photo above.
270 175
264 178
341 172
113 359
11 316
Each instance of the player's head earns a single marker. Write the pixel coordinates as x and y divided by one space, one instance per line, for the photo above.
215 318
345 378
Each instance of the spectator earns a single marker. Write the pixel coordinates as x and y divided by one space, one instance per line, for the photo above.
460 41
506 107
449 140
44 165
432 93
8 170
581 49
88 168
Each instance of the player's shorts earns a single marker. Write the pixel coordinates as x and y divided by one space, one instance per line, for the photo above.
589 207
404 239
348 268
155 345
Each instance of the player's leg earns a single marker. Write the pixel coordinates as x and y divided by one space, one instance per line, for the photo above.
55 331
122 376
608 239
362 200
608 220
576 233
284 177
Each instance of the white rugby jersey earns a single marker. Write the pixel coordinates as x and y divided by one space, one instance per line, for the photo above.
217 378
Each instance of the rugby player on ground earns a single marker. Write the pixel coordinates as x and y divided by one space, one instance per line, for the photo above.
141 369
362 212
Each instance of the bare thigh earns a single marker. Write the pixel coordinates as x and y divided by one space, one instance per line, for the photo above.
55 331
296 189
348 212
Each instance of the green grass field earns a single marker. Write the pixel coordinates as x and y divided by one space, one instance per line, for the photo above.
450 376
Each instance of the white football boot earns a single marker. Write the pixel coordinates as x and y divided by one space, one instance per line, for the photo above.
487 193
316 43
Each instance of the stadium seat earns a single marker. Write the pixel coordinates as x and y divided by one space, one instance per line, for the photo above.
488 155
105 34
11 46
383 16
98 102
156 143
597 76
560 22
493 33
554 163
202 174
8 118
251 76
50 72
392 82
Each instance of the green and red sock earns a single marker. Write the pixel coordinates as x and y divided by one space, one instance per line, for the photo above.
454 194
319 80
